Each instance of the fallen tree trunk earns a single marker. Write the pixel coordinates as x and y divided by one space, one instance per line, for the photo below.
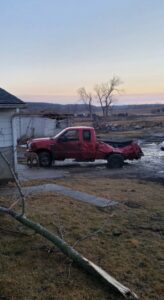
73 254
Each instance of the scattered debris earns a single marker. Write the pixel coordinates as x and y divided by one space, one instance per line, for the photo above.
132 204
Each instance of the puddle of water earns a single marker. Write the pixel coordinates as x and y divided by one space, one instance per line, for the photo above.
153 160
153 153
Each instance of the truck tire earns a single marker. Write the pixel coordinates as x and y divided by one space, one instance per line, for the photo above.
45 159
115 161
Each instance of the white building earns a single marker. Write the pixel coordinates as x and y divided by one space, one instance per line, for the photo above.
9 106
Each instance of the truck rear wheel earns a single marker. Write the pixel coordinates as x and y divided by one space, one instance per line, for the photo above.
45 159
115 161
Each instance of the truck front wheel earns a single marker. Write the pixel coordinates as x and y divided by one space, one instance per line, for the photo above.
45 159
115 161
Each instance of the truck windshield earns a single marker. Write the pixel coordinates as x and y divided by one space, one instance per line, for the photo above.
71 135
59 134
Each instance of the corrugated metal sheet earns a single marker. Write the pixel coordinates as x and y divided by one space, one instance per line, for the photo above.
35 126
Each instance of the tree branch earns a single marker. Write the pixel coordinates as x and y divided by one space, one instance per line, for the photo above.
17 184
90 234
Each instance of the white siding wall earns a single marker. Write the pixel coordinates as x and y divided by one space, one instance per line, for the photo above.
6 143
6 139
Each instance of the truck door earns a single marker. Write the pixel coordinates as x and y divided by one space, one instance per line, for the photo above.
68 145
87 146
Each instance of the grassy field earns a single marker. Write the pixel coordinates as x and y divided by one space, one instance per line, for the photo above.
129 246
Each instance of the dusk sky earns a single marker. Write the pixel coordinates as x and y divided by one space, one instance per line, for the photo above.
50 48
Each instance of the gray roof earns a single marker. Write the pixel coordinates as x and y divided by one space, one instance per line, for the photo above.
9 99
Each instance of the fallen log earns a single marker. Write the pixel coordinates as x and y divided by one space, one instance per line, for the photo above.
73 254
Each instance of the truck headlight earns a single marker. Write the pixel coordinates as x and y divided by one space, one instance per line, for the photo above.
29 145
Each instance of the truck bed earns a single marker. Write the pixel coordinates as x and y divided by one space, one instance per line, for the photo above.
118 144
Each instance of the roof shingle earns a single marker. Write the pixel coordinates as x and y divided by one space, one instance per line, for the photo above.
7 98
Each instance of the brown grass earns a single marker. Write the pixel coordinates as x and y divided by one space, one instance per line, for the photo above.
149 124
129 247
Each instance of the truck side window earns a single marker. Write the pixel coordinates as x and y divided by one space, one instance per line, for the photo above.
71 135
86 135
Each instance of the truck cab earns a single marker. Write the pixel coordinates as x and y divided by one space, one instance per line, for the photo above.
78 143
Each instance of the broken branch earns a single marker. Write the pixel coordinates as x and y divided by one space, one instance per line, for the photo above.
17 184
73 254
90 234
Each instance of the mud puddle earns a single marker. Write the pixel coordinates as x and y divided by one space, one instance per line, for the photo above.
152 163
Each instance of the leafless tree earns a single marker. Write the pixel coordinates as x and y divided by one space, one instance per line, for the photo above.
105 92
87 99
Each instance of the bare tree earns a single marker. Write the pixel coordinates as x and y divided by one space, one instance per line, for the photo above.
105 92
87 99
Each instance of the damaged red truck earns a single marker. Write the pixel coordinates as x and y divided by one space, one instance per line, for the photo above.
80 143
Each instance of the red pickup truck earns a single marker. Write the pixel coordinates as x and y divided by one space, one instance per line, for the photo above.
80 143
